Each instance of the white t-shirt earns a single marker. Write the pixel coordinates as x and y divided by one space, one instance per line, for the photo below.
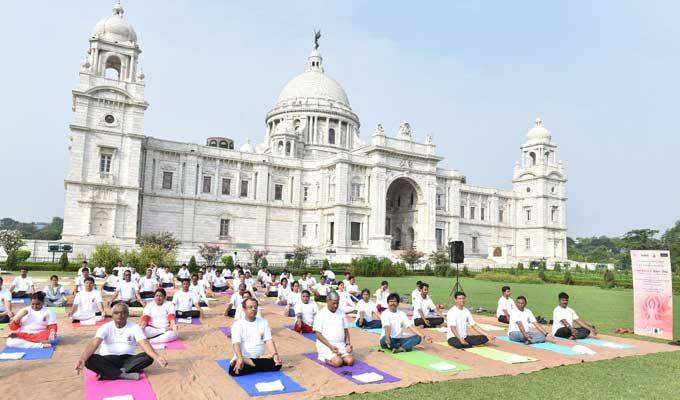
251 335
460 320
307 311
381 297
99 271
283 292
183 273
352 288
426 305
183 301
198 288
87 302
414 296
329 274
368 308
159 314
135 277
226 273
126 290
526 318
112 281
293 298
119 340
37 321
147 284
321 289
397 321
345 302
240 314
220 282
22 284
167 277
560 313
4 295
505 304
332 326
236 300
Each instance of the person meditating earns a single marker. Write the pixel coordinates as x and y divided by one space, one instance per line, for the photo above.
381 296
425 313
239 310
79 283
284 290
147 285
367 312
127 292
99 272
55 293
235 301
523 325
321 289
35 325
352 288
459 319
87 304
220 284
158 319
111 283
563 321
117 342
346 304
305 312
250 337
165 277
184 299
332 334
5 304
394 324
294 297
505 306
22 286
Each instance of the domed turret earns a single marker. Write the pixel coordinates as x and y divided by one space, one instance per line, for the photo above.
114 28
538 132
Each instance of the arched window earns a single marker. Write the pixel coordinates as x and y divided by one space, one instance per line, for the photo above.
279 147
223 144
287 148
497 252
331 136
547 157
532 158
213 143
112 68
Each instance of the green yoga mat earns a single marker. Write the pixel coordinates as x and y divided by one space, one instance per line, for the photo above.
58 310
2 326
427 360
499 355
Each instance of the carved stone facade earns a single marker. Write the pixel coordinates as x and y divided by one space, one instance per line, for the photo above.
312 181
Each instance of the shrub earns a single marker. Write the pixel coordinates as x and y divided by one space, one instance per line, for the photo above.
512 271
63 260
568 279
411 256
558 267
264 263
227 260
466 271
373 266
325 264
12 261
428 270
502 276
106 255
164 239
22 255
133 257
520 266
541 275
609 279
209 252
578 268
192 264
156 254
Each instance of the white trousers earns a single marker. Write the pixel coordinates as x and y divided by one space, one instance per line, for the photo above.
165 336
22 344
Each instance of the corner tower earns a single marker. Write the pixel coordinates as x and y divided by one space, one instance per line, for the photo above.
105 142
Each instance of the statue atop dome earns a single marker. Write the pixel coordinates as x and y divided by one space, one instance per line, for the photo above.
317 36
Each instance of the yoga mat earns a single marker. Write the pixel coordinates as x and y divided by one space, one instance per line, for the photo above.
58 310
605 343
97 390
20 301
226 330
175 345
498 355
34 354
99 323
427 360
310 335
248 382
556 348
358 368
489 327
2 326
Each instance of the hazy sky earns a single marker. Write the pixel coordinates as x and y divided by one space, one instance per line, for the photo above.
603 76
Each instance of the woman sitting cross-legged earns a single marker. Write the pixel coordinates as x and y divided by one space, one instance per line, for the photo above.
294 297
55 293
305 312
367 312
35 325
158 319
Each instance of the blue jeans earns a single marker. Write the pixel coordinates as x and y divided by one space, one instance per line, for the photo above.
375 324
536 337
291 312
406 343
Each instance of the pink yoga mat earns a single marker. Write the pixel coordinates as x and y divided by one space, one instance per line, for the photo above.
97 390
175 345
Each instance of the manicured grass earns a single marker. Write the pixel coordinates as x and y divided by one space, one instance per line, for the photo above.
652 376
607 309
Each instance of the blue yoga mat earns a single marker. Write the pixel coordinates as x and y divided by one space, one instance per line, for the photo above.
33 354
310 336
606 343
556 348
247 382
372 330
21 301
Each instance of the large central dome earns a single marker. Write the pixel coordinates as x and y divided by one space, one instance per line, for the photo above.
313 84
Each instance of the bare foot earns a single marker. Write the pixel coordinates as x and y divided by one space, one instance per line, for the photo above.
132 376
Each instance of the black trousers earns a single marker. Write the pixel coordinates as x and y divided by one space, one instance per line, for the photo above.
503 319
272 294
321 299
231 313
130 303
434 321
167 284
77 320
109 367
4 318
21 295
146 295
109 288
565 333
202 303
220 288
469 341
188 314
261 365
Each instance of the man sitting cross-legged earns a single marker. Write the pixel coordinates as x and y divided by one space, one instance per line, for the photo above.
22 286
394 324
505 306
250 337
367 312
332 333
87 304
425 313
235 301
563 321
147 285
117 341
127 292
523 326
459 319
184 299
158 319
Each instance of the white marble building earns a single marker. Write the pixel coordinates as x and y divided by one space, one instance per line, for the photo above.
311 181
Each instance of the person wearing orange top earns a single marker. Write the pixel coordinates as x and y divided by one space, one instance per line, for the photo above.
35 326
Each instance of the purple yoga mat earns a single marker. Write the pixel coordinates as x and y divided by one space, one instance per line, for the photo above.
358 368
226 330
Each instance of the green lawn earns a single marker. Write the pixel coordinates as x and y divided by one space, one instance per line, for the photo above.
640 377
608 309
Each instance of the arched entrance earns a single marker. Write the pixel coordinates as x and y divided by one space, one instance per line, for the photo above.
401 213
